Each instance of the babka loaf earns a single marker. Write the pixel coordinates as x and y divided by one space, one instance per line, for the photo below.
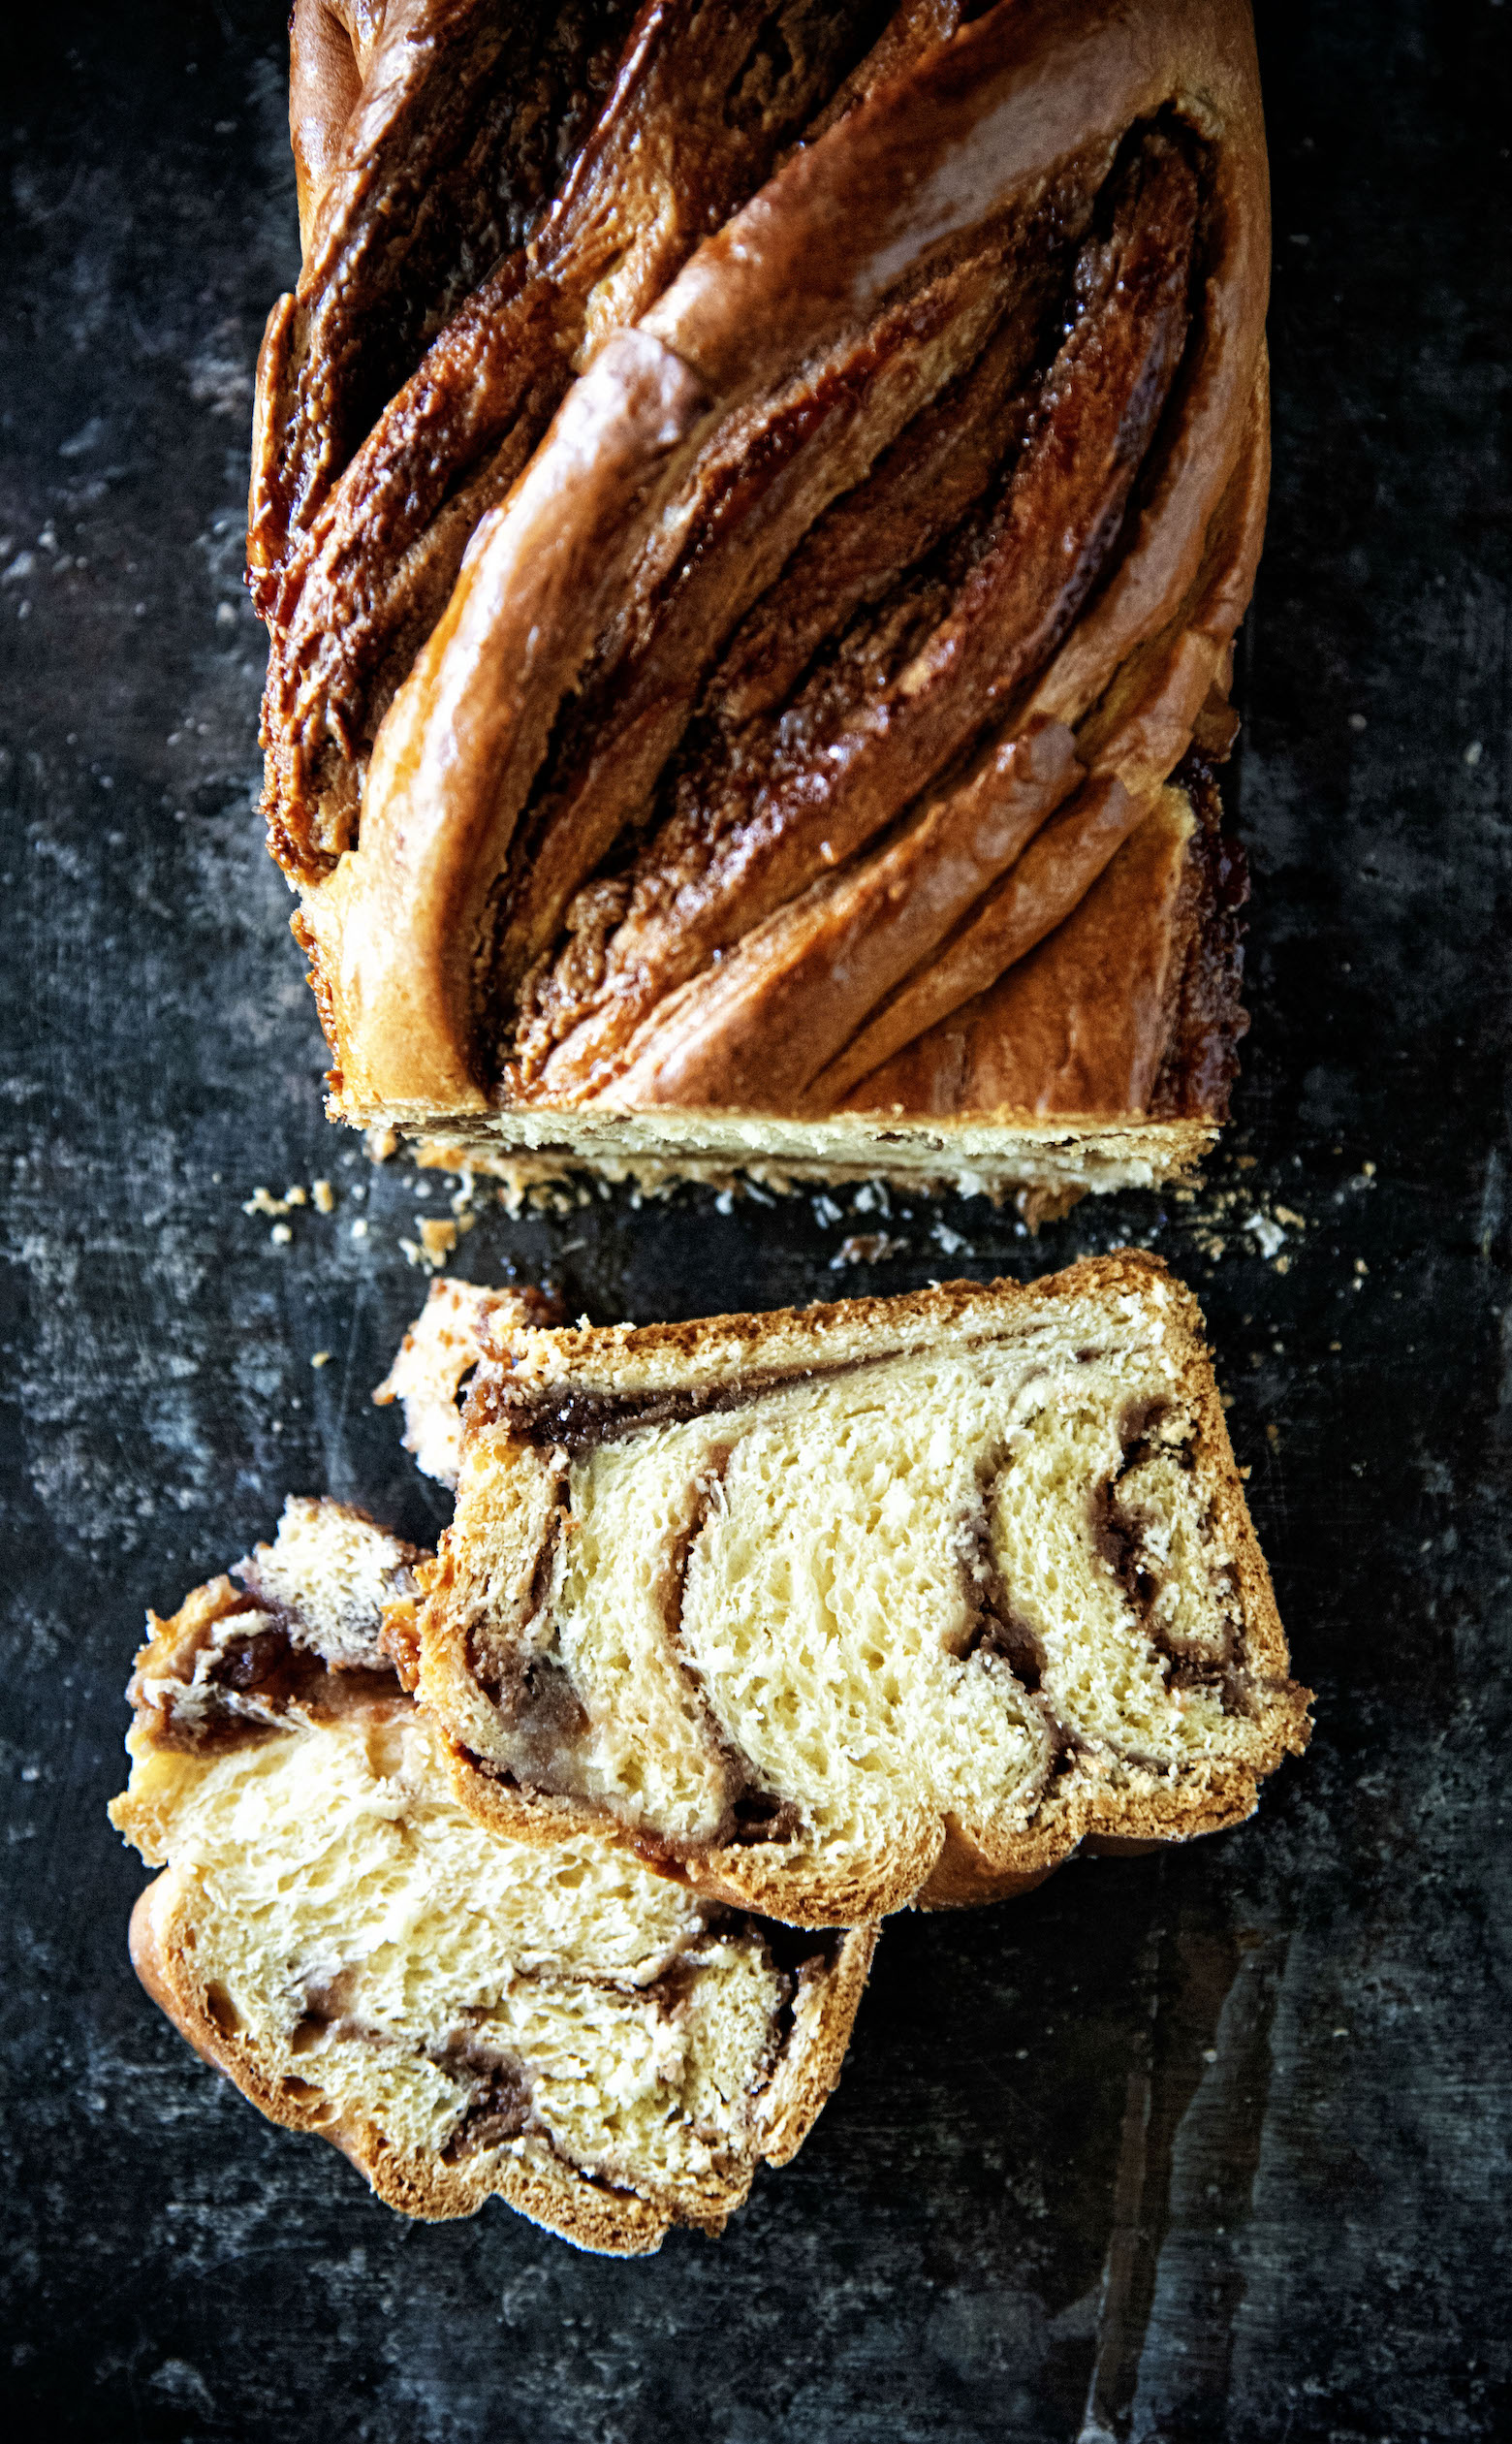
464 2014
844 1607
751 507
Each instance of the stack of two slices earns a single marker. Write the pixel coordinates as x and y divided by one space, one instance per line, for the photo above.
550 1867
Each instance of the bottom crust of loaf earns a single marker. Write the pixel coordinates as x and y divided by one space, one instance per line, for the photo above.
1041 1168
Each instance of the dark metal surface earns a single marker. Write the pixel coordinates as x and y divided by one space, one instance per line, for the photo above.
1214 2145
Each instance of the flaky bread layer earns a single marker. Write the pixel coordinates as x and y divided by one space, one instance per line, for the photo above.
884 1601
464 2016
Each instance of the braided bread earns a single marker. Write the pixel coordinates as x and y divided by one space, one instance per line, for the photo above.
848 1606
463 2014
751 508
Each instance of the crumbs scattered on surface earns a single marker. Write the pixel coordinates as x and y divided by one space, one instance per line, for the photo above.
436 1242
951 1241
866 1247
263 1202
322 1358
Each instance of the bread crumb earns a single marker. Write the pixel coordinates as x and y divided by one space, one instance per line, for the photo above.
293 1196
950 1240
381 1143
322 1358
359 1230
1272 1434
260 1203
436 1243
280 1234
1369 1169
325 1196
866 1247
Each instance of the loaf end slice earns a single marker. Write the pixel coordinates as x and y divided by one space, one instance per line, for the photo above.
841 1608
467 2015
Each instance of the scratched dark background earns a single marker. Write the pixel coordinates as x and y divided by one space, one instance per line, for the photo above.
1209 2146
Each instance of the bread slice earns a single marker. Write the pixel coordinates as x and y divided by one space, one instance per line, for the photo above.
752 520
464 2014
838 1608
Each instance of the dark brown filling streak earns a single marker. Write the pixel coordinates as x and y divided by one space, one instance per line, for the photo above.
1117 1534
578 1422
543 1716
764 792
533 1694
1200 1060
992 1627
501 2103
264 1669
751 1815
500 2090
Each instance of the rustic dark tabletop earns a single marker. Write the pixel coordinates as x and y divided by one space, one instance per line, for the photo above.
1214 2145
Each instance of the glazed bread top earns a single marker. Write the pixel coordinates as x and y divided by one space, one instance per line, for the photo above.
859 461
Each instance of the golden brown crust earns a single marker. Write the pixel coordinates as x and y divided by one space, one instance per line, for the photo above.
174 1934
926 141
591 2214
690 125
941 1861
1083 1025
